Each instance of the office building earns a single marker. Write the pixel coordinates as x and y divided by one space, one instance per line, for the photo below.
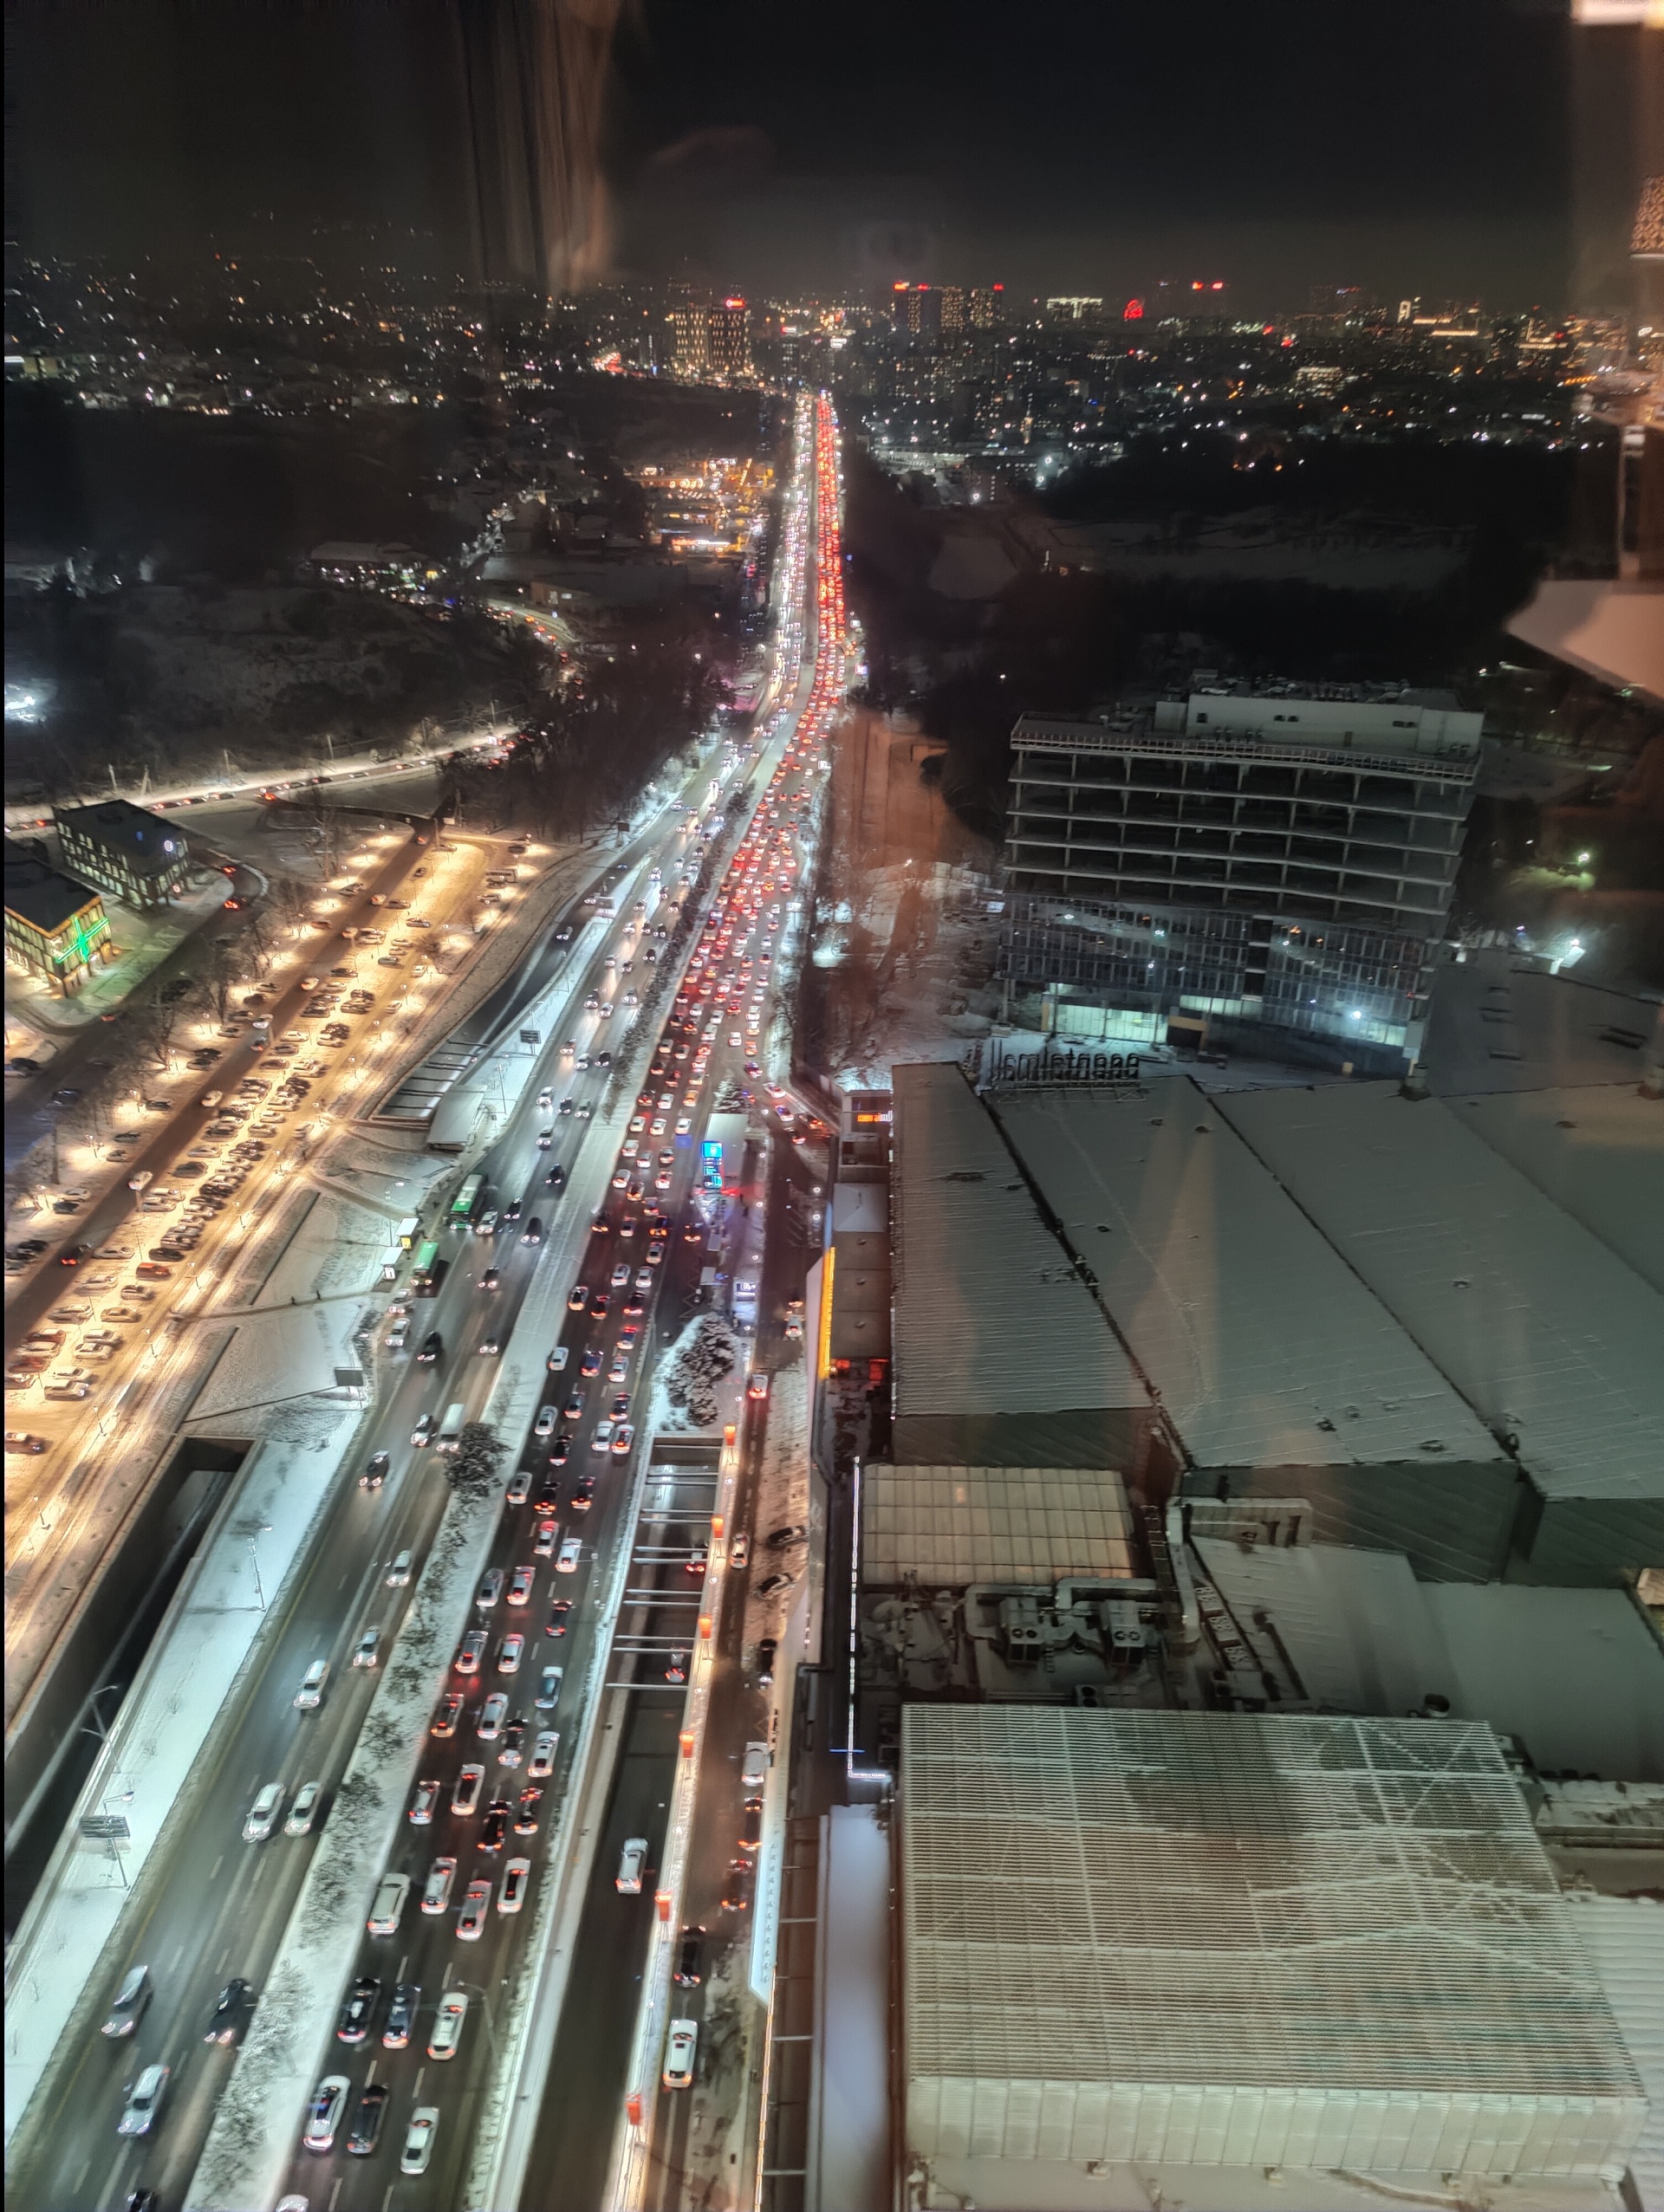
56 927
130 854
1239 861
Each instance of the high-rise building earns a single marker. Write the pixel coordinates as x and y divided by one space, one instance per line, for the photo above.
711 342
1262 860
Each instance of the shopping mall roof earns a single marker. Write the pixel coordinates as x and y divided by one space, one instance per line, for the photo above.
1545 1331
992 1320
1242 1940
952 1526
1267 1350
1596 1150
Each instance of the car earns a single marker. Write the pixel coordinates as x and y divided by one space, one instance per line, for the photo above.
601 1438
520 1587
512 1894
365 2131
573 1409
432 1348
465 1795
436 1897
590 1363
495 1825
303 1812
758 1388
540 1764
140 1181
765 1652
525 1817
690 1958
471 1921
354 2024
131 2003
577 1298
620 1276
544 1425
323 2114
492 1714
388 1908
544 1544
144 2102
509 1654
556 1363
366 1651
519 1487
399 1571
492 1279
681 2046
447 1713
570 1552
310 1695
448 2018
676 1667
422 1803
632 1861
422 1435
583 1493
375 1471
469 1652
514 1737
491 1590
751 1831
782 1539
401 2015
263 1814
231 2013
549 1688
418 2139
486 1225
623 1440
739 1552
697 1558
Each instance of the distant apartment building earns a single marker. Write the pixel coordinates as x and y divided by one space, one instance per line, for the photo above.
56 927
1236 861
130 854
712 343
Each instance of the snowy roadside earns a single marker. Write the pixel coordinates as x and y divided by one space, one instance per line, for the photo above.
192 1673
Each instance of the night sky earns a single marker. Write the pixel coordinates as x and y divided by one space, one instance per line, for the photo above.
1094 145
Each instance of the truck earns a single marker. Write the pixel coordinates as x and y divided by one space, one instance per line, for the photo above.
451 1428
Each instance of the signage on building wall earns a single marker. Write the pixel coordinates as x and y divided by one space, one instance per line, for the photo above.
1012 1069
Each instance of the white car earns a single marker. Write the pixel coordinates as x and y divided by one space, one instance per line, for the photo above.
323 2114
144 2101
304 1810
512 1894
681 2047
310 1695
388 1908
447 2020
601 1441
627 1880
471 1921
263 1814
418 2139
399 1573
541 1765
570 1552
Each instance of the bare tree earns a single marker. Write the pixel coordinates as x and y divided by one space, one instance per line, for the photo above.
479 1452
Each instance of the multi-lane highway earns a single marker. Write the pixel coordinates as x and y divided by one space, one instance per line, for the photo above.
213 1905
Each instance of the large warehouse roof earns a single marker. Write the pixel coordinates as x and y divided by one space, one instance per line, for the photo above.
954 1526
1597 1150
1239 1940
990 1317
1266 1348
1542 1329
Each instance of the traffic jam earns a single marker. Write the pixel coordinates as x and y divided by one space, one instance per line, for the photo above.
441 1934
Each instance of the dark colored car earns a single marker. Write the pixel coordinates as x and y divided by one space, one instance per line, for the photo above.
690 1958
526 1817
583 1493
230 2013
376 1472
494 1826
401 2015
433 1346
359 2010
365 2130
765 1652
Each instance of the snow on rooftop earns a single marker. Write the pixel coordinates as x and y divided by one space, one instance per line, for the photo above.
989 1316
1242 1940
1597 1151
1544 1330
1266 1348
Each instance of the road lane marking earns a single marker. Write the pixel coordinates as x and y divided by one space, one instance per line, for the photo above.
217 1863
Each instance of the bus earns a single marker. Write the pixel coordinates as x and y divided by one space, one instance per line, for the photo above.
429 1268
462 1206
